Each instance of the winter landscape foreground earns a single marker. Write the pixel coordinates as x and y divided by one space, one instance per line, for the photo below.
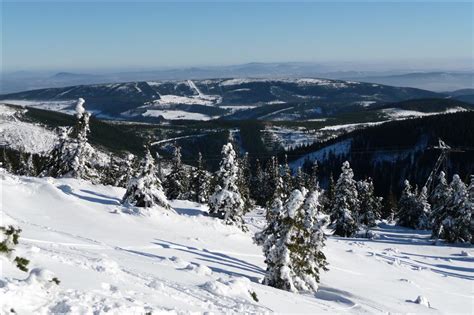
183 261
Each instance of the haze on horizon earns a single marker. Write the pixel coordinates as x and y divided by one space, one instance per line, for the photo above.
105 36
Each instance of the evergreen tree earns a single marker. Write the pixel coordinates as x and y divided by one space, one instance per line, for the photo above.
60 160
370 205
293 253
72 154
6 163
176 183
10 236
226 202
257 190
313 177
346 204
200 182
456 227
287 179
81 150
439 200
424 209
413 208
271 176
126 170
299 181
329 195
389 205
145 189
27 167
245 177
159 167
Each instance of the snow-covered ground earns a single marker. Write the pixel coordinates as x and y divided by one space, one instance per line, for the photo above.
291 137
402 113
175 114
183 261
28 137
66 107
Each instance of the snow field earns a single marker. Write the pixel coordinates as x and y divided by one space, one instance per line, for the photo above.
183 261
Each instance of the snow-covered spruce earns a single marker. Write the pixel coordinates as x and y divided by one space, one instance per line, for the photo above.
245 176
145 189
287 179
126 170
413 208
370 206
293 252
176 183
226 202
72 154
456 227
346 203
200 182
439 201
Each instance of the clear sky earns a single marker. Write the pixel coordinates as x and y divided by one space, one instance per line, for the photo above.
121 35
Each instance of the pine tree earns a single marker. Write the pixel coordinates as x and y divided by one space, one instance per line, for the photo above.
299 181
287 179
226 202
200 182
293 252
424 209
370 205
10 236
439 200
272 171
60 160
5 161
126 170
346 203
176 183
26 168
257 190
145 189
413 208
313 177
82 151
389 205
72 154
245 177
470 206
456 227
329 195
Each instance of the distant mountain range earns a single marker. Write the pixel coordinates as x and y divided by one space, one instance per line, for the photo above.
434 81
265 99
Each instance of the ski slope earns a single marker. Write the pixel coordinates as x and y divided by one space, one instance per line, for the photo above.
110 260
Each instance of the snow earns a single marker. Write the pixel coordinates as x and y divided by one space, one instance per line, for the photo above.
80 107
175 114
339 148
187 262
300 81
291 137
67 107
348 127
28 137
402 113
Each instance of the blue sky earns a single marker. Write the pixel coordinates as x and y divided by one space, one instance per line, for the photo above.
123 35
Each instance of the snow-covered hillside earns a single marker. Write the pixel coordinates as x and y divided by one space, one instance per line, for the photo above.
27 137
183 261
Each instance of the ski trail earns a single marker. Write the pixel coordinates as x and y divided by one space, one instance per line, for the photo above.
195 88
178 138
